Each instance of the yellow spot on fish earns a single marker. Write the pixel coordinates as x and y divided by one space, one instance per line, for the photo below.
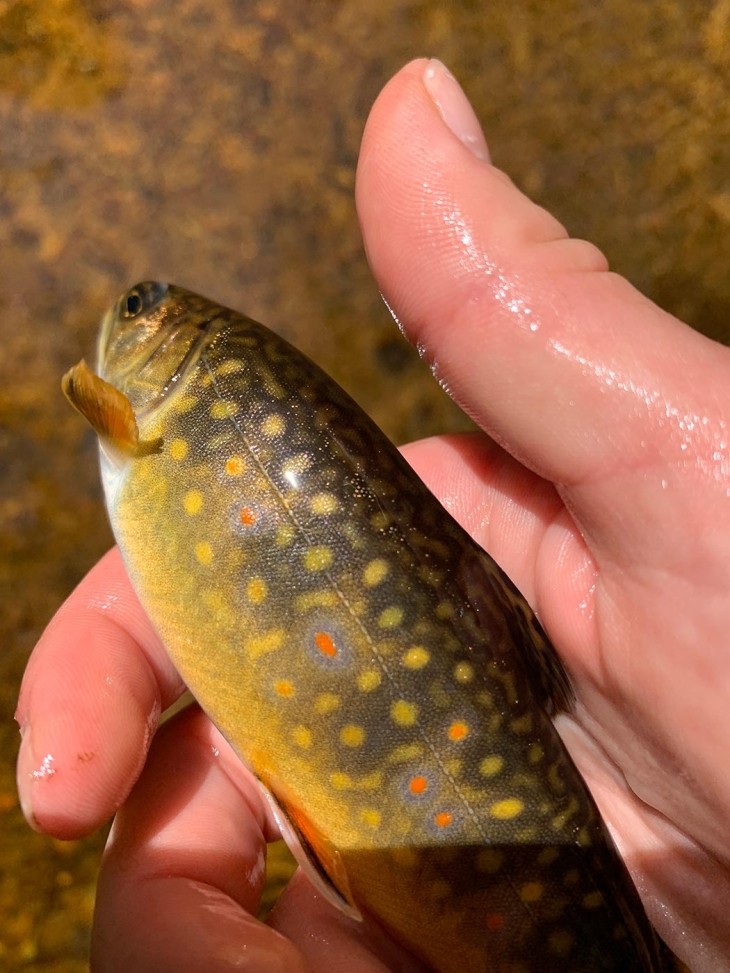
404 713
390 617
295 465
318 558
405 856
405 752
491 765
221 440
229 367
560 942
371 817
204 552
235 465
531 891
267 642
444 609
560 820
489 860
368 680
592 900
178 449
438 889
285 535
416 657
352 735
323 415
223 410
463 672
216 602
507 809
535 753
523 724
443 819
380 520
186 402
302 736
340 781
273 425
273 388
324 503
458 731
284 688
430 575
324 598
547 856
256 590
375 572
326 703
193 502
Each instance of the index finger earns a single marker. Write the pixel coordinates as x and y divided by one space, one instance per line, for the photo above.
89 704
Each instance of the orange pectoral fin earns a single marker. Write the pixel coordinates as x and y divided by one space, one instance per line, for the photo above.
315 853
108 411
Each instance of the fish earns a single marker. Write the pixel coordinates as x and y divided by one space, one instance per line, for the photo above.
388 685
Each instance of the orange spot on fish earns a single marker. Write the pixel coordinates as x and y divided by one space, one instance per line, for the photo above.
458 731
495 921
247 516
235 466
284 688
443 819
326 646
417 785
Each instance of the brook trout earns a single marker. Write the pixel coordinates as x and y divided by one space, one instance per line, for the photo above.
386 682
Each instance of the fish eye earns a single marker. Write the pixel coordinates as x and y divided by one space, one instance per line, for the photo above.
141 299
133 304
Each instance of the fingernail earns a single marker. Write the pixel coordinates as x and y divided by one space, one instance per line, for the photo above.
23 777
453 105
29 772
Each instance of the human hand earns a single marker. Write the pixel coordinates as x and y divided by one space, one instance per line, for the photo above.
606 502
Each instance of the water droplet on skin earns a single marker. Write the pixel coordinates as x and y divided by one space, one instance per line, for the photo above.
46 768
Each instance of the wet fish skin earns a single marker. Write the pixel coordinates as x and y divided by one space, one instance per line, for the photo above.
376 669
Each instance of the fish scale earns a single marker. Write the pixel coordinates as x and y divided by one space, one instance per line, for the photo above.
376 669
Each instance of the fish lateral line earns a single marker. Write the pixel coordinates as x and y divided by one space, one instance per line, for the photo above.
108 411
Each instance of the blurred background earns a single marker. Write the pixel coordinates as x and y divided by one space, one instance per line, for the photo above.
213 143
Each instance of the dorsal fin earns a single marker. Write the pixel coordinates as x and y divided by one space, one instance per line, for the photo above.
107 410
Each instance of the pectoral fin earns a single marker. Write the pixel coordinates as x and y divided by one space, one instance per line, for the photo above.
108 410
314 852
